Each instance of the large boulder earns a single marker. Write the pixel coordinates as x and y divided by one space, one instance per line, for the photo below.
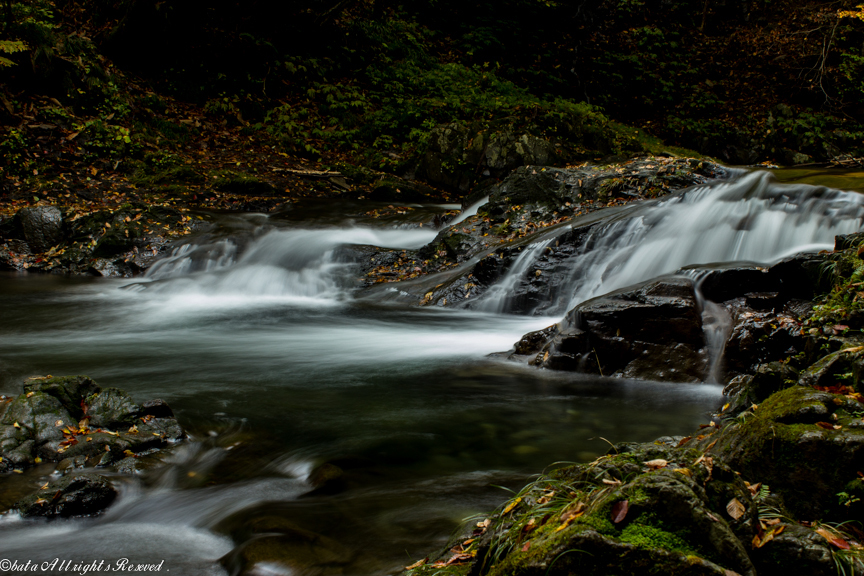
42 226
651 331
806 444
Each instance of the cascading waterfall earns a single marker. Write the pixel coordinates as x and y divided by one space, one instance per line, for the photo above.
753 219
288 264
498 296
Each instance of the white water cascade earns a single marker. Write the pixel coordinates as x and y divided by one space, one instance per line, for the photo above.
753 219
291 265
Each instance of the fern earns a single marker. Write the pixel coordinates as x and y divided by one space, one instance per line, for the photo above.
11 47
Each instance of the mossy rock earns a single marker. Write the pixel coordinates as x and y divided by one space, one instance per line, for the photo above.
838 368
789 442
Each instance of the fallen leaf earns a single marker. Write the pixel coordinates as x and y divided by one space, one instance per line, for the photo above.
526 546
825 425
684 471
58 423
16 425
833 538
619 511
416 564
656 464
735 508
611 482
512 505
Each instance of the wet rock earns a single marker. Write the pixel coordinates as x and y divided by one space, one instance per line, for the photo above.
271 539
157 408
746 390
327 479
650 331
797 550
760 337
111 268
844 367
533 342
69 390
77 495
111 408
42 226
71 417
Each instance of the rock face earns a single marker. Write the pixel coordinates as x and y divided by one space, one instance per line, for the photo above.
78 495
69 417
652 331
42 226
457 156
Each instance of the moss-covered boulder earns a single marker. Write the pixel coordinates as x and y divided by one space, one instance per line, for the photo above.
806 444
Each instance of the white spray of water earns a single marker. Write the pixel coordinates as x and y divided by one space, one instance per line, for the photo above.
752 219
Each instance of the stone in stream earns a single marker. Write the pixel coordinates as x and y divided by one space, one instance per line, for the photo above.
72 417
267 537
74 495
650 331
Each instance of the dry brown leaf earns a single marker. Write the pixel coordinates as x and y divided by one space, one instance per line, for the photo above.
611 482
735 508
526 546
656 464
619 511
833 538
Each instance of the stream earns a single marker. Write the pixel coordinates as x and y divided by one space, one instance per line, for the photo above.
254 336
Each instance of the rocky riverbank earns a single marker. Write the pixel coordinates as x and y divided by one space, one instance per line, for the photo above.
773 484
75 423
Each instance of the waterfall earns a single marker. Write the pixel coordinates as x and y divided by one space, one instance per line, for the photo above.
753 219
295 265
500 295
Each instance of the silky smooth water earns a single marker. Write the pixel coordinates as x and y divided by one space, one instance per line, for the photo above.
252 335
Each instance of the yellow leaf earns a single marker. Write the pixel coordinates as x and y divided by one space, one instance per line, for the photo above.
684 471
37 460
16 425
512 505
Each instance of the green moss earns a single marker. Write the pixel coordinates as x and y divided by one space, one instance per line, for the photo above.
785 403
648 536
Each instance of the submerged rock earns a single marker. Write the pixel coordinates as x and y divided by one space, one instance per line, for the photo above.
268 538
58 418
76 495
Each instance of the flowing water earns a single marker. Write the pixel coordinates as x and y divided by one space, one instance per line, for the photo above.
252 334
753 218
